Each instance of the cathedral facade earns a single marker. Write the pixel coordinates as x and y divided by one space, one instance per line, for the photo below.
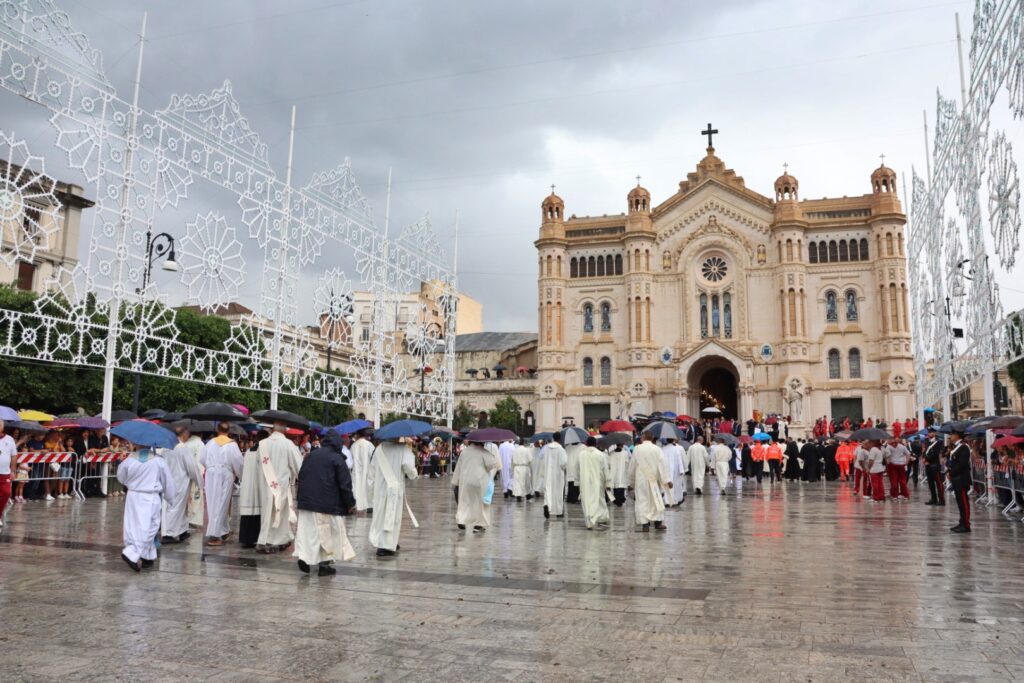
720 297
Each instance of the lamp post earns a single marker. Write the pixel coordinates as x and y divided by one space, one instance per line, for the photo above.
158 246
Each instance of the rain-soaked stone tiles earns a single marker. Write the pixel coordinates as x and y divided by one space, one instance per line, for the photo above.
771 583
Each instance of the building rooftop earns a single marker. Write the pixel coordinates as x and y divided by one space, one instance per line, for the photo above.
492 341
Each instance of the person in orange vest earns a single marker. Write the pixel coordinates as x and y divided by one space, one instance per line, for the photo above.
774 456
757 453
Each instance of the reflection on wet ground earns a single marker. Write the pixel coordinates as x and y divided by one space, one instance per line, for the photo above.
795 581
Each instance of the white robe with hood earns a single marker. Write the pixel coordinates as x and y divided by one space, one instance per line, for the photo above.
223 463
698 464
594 480
147 479
185 473
362 473
648 476
521 460
555 460
474 470
389 492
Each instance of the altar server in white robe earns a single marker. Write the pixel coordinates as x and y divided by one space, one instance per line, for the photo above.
280 461
572 472
250 494
393 463
648 476
223 463
673 456
185 473
505 452
537 469
362 472
196 495
698 464
147 479
521 461
595 481
473 473
555 460
720 456
618 469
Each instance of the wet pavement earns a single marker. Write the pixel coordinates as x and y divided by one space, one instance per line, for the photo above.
779 583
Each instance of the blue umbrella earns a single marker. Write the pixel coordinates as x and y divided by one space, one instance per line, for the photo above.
929 410
143 433
352 426
542 436
8 414
669 415
402 428
762 436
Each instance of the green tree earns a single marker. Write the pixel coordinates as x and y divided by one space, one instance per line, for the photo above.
463 417
505 414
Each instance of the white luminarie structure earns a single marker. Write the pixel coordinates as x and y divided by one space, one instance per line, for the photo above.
139 162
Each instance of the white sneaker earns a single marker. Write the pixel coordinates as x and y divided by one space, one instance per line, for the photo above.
49 497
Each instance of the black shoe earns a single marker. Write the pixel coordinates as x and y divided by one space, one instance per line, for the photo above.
519 499
146 564
560 516
646 528
958 527
508 494
658 526
326 570
547 513
529 497
699 492
184 536
462 527
932 502
383 552
369 511
942 504
478 528
168 540
134 565
304 567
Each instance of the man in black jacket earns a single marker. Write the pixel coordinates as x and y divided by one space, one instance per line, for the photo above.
933 471
960 476
811 453
324 497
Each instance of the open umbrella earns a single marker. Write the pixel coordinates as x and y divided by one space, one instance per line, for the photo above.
172 417
194 426
1018 431
664 430
745 439
492 434
92 423
64 423
283 416
574 435
144 433
9 414
617 426
35 416
615 439
240 408
728 439
711 410
1007 422
154 414
26 426
843 436
980 425
218 412
542 436
402 428
870 434
762 436
669 415
1004 441
121 416
499 368
959 427
352 426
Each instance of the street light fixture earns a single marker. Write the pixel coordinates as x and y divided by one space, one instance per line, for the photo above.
157 246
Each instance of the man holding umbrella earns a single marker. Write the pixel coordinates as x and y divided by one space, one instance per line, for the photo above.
393 463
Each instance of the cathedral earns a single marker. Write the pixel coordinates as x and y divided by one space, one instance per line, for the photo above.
722 298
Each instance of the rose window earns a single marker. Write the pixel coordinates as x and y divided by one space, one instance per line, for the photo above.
714 269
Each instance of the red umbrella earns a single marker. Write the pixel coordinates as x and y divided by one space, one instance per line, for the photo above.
522 368
746 438
64 423
242 409
1004 441
617 426
684 418
771 420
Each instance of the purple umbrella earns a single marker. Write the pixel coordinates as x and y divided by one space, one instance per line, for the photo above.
494 434
92 423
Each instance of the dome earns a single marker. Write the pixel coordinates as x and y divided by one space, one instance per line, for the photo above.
883 179
786 187
639 200
552 208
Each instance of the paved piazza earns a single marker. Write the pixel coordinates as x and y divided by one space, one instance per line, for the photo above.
796 582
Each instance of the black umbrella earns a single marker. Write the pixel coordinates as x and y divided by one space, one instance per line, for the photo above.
499 368
956 427
870 434
542 436
574 435
154 414
194 426
614 439
727 439
290 419
664 430
216 411
172 417
122 415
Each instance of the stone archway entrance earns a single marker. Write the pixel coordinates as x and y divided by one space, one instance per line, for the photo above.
713 381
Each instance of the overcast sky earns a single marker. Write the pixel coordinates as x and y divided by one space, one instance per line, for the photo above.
479 106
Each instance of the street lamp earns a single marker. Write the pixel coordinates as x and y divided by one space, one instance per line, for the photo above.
157 246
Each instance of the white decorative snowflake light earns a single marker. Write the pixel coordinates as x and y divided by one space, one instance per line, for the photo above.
29 209
212 267
1004 200
334 303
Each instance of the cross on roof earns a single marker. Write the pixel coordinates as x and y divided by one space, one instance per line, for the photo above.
785 167
709 132
552 188
882 157
638 180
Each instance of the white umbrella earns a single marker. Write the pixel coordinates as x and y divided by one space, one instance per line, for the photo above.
712 411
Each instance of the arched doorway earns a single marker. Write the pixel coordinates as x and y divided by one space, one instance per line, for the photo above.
717 388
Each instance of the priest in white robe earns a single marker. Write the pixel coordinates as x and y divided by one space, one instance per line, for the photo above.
393 463
522 458
537 469
280 461
698 464
250 495
648 476
184 472
618 471
362 472
720 455
505 452
672 455
555 462
223 463
595 481
148 480
473 473
196 495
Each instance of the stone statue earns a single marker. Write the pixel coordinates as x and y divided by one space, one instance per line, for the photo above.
851 305
795 402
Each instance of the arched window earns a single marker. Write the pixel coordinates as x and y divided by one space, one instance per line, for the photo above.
780 251
864 249
812 252
548 270
727 314
822 252
833 251
888 244
831 307
573 267
792 312
609 265
851 305
636 260
591 267
834 369
715 316
854 252
558 266
844 254
637 320
855 363
618 264
588 372
703 316
606 317
647 259
588 317
606 371
789 250
600 266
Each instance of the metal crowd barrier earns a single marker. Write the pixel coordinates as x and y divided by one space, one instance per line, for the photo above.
103 461
47 459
